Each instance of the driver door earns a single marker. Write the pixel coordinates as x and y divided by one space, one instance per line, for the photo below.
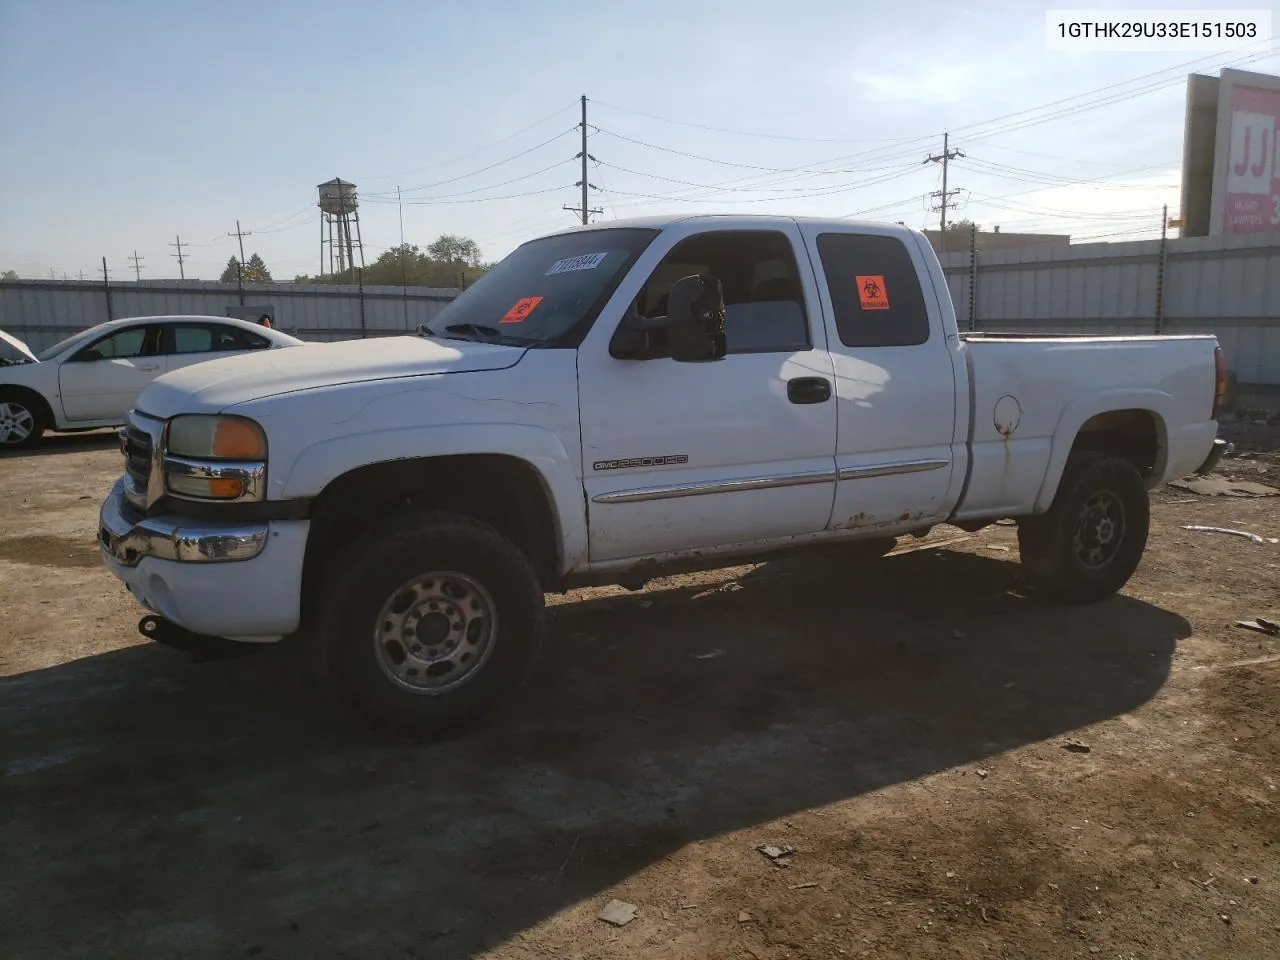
682 457
102 379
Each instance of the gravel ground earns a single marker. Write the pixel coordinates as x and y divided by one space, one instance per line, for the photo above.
962 770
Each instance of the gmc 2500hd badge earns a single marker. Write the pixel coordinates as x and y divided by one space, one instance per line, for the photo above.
641 462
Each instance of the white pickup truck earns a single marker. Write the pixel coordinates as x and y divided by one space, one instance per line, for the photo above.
614 402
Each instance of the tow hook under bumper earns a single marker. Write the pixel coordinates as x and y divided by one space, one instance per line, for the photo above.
201 647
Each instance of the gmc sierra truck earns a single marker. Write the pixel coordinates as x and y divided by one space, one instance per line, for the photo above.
614 402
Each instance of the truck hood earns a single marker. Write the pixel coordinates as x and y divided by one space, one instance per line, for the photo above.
217 384
17 345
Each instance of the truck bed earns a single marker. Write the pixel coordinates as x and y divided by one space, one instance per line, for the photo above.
1029 394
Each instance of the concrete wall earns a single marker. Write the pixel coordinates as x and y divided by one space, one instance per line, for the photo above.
1228 286
41 312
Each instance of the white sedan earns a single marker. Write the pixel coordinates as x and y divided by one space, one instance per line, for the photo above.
90 379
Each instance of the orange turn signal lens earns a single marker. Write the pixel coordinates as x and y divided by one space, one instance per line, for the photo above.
225 489
238 440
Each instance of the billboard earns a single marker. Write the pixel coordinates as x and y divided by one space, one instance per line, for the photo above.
1246 163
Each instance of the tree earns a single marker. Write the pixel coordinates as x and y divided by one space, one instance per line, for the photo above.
255 271
449 261
9 275
448 248
959 225
229 275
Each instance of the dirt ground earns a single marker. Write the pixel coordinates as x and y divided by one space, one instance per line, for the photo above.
962 770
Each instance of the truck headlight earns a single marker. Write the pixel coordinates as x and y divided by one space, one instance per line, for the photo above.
216 438
215 458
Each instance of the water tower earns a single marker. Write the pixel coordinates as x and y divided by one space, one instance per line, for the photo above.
339 226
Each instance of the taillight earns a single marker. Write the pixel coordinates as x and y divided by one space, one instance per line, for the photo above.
1220 386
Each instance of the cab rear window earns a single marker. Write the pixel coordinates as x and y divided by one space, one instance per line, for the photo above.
875 291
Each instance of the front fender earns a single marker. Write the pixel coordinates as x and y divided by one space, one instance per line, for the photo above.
321 463
1079 411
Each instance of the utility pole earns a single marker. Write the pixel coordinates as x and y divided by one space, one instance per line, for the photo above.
584 211
106 288
404 277
240 235
944 194
1161 267
137 266
179 244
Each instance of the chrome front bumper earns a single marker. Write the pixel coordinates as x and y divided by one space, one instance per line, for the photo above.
127 537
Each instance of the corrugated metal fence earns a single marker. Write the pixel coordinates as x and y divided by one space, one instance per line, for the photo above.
41 312
1228 286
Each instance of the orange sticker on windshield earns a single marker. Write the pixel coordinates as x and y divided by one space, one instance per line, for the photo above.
521 310
872 294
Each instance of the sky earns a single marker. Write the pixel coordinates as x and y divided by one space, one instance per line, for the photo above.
131 123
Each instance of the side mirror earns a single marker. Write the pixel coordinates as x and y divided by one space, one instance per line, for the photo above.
695 314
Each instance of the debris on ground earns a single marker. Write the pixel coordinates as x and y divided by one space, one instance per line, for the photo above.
997 548
807 885
709 655
618 913
1261 625
744 916
1255 538
1075 746
775 853
983 773
1215 486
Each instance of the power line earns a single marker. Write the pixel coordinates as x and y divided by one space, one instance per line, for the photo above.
747 133
466 176
488 146
179 244
463 193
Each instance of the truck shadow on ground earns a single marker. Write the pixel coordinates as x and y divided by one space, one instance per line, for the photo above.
217 809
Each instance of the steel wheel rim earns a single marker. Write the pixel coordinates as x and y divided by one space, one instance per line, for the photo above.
435 632
16 422
1100 530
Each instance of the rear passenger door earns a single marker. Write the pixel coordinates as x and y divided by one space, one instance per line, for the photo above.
189 343
895 379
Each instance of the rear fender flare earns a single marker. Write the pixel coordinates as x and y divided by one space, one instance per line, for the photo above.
1080 411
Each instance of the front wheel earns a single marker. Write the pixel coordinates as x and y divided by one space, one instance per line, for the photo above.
430 625
1091 540
21 420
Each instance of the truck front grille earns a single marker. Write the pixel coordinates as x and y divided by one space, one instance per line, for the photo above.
136 446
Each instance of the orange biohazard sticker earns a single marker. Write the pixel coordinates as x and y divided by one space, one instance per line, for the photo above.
521 310
872 293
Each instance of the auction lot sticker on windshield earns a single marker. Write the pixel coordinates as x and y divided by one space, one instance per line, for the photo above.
588 261
523 307
872 293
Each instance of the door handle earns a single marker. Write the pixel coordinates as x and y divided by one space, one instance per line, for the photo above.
808 390
148 366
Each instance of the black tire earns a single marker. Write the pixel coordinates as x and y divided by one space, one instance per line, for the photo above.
384 601
20 411
1091 540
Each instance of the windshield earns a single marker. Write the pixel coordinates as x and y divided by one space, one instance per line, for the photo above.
48 353
544 289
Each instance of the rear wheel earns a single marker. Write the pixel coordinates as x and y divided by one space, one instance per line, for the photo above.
1090 542
431 624
21 420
